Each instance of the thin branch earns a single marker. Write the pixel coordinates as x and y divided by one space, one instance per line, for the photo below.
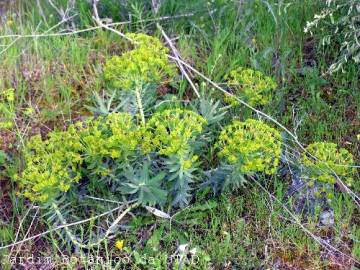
110 230
89 29
27 231
102 25
61 227
177 59
21 223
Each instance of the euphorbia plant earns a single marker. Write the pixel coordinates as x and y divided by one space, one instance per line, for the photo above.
324 163
251 86
246 148
155 159
174 133
54 164
96 150
51 165
155 163
136 70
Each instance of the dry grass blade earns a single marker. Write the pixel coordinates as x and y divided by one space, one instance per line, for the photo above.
34 237
177 58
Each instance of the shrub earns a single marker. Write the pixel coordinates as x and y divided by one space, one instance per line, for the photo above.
251 146
251 86
339 22
146 63
331 159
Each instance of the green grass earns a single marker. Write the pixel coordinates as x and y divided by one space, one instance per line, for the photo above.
58 76
246 230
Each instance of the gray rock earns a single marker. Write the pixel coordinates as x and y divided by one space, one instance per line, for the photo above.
326 218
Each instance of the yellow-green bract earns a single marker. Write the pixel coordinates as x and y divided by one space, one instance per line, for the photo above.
53 164
331 160
115 136
251 86
252 145
146 63
173 129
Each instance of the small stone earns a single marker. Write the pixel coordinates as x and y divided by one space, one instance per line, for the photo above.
327 218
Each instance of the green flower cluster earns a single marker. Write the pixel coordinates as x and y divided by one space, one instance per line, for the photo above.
330 160
146 63
53 165
140 40
251 86
173 130
115 136
7 110
252 146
